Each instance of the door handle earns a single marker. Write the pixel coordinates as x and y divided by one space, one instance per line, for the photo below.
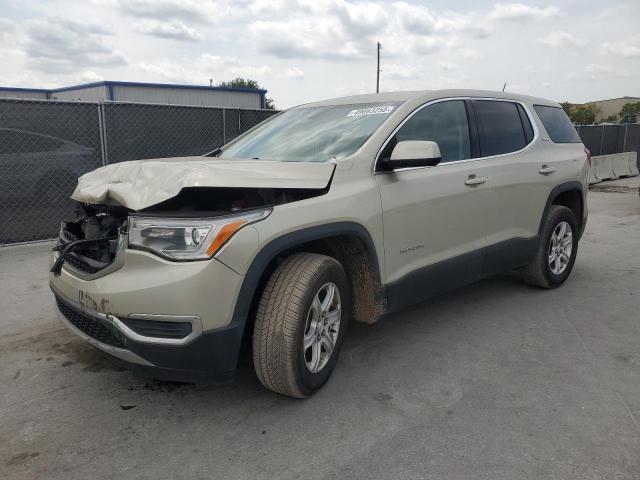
546 170
472 181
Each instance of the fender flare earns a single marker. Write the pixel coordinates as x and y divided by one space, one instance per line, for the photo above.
557 190
290 240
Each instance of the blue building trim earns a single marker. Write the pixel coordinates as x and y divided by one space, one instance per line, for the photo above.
185 87
133 84
110 93
263 101
78 87
110 83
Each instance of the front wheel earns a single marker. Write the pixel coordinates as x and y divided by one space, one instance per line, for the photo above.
301 320
557 249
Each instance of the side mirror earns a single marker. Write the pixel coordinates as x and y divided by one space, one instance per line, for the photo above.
414 153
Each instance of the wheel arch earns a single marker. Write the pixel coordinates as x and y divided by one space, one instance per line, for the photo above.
349 242
570 195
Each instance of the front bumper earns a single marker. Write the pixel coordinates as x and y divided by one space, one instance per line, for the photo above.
107 313
146 284
212 356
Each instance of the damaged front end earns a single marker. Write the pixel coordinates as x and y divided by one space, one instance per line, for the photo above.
181 209
190 226
90 243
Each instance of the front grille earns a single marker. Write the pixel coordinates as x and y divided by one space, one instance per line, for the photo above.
82 259
75 261
67 236
90 326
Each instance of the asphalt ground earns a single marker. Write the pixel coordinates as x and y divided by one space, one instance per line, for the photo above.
494 381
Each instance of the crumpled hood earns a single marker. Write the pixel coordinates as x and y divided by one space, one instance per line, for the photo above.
142 183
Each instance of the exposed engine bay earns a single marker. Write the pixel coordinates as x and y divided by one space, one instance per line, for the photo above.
215 201
89 243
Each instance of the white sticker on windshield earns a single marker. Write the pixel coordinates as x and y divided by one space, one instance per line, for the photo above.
370 111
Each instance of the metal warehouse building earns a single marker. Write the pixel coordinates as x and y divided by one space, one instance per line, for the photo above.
146 93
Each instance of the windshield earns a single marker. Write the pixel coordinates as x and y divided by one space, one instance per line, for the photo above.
314 134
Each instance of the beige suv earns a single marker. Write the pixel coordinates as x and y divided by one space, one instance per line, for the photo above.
328 212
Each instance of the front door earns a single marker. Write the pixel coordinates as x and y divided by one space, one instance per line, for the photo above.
434 217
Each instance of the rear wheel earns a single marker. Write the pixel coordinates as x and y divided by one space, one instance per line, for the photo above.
557 249
300 324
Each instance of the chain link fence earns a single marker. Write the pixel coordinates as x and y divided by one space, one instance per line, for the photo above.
46 145
137 131
609 139
44 148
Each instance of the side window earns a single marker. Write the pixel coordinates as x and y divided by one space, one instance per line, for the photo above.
499 127
557 124
444 123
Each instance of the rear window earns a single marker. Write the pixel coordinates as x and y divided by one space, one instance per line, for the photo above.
499 127
557 124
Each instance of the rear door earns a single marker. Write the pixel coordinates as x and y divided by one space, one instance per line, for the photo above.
434 217
510 151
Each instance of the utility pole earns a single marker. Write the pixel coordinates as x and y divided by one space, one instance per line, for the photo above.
378 70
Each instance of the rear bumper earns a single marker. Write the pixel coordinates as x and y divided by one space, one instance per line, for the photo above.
211 357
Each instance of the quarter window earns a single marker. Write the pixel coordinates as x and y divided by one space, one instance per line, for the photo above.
444 123
557 124
499 126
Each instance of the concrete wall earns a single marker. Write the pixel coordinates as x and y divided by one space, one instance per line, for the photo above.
185 96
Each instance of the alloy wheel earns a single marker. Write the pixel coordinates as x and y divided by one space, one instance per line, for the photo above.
322 327
560 248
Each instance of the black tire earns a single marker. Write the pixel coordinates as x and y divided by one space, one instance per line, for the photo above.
285 303
539 272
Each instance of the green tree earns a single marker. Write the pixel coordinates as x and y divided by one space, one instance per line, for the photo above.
629 109
567 108
583 114
240 82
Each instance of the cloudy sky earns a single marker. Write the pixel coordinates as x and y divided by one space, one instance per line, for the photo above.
574 50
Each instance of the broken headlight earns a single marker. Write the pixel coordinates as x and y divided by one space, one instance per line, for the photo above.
188 238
